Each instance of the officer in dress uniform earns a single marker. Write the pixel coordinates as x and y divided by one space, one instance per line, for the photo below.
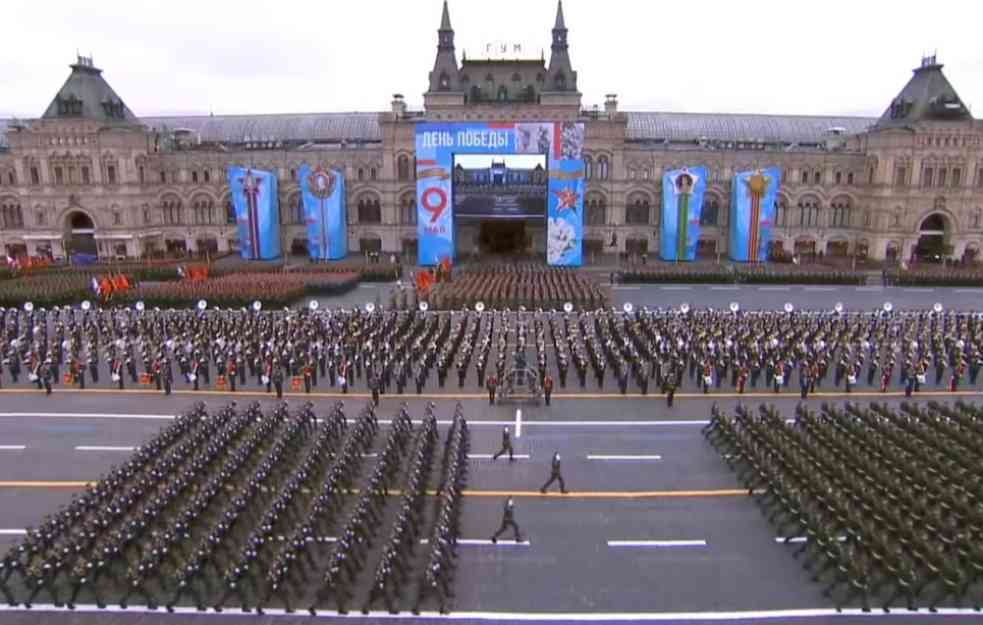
554 475
506 444
492 385
508 521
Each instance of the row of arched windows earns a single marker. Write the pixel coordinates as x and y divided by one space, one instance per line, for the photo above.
11 215
600 168
638 211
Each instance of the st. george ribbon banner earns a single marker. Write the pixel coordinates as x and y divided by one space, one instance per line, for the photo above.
752 213
323 193
437 143
254 197
682 207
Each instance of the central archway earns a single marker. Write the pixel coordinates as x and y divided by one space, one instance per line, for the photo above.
933 238
80 234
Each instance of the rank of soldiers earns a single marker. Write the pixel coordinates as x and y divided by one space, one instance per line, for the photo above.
518 284
251 510
886 503
387 351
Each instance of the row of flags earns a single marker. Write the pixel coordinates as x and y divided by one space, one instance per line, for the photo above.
106 286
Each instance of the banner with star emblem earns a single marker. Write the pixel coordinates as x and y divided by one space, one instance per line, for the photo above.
323 194
436 145
682 207
752 213
565 210
254 197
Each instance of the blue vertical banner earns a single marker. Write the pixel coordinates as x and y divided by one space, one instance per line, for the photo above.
752 215
565 229
682 207
323 193
560 143
254 197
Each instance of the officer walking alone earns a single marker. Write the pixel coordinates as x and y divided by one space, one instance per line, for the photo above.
555 475
508 520
506 445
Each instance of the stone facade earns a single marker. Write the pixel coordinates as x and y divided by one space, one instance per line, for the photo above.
871 186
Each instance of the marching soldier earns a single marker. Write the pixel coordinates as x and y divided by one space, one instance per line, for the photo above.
506 445
555 475
508 521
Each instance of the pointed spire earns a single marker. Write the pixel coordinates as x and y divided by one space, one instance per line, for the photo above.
445 18
559 25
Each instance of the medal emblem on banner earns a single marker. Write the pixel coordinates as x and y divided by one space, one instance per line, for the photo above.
321 183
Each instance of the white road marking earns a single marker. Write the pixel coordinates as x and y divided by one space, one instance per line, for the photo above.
774 288
976 291
918 290
488 456
657 543
13 447
822 288
518 422
725 288
676 288
587 617
802 539
504 542
13 532
614 423
626 288
102 448
869 288
87 415
622 457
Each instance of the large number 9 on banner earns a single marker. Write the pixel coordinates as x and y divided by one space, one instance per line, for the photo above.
435 209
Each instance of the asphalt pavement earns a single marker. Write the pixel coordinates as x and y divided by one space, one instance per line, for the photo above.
654 528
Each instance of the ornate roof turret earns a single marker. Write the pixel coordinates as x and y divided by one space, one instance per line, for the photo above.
927 96
444 76
561 80
87 95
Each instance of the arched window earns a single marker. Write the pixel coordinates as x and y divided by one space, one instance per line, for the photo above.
372 173
503 93
11 215
596 210
203 210
230 211
560 82
445 81
637 210
403 167
170 207
842 212
588 167
361 174
369 211
407 209
710 214
781 212
602 167
808 211
295 209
